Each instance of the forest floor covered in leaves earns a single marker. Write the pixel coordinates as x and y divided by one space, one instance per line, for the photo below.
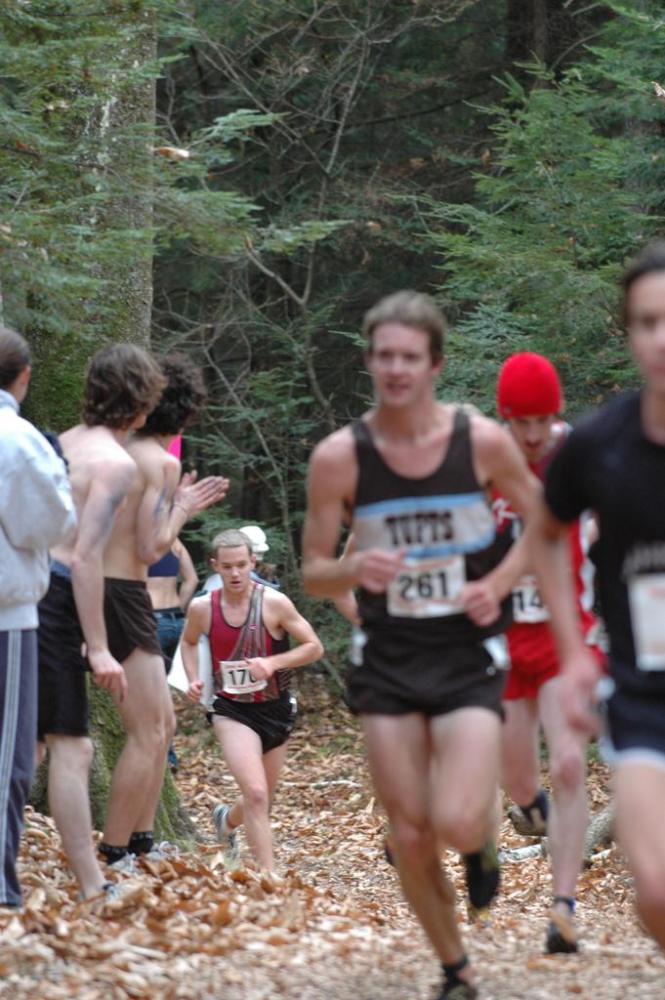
335 927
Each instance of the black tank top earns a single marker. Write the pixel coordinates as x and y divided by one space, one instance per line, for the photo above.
444 524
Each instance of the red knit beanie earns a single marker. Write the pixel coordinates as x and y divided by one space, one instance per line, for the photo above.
528 386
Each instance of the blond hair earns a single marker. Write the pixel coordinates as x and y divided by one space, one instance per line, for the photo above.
231 538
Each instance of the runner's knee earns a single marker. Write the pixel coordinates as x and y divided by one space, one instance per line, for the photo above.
255 797
464 828
414 841
567 768
71 752
152 730
650 888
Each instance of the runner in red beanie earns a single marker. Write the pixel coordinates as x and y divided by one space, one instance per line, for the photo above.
528 385
529 398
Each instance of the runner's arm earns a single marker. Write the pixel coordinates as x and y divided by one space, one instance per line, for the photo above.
167 504
563 503
190 578
346 604
308 650
109 486
196 624
502 466
331 484
158 522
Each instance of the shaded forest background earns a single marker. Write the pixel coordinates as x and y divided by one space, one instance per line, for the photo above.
242 179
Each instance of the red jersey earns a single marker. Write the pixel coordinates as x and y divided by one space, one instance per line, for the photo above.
533 654
231 646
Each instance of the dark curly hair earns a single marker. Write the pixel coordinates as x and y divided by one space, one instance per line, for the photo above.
122 382
14 356
181 400
650 260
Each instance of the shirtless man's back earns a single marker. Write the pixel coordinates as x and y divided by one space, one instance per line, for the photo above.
123 384
157 506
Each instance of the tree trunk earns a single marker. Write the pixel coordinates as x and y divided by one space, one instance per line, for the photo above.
600 832
121 131
172 821
127 130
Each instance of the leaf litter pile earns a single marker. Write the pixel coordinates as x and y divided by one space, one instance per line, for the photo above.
333 926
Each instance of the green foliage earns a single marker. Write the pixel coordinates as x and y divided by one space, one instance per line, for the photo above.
575 186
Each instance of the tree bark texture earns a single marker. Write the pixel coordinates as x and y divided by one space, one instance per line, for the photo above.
172 822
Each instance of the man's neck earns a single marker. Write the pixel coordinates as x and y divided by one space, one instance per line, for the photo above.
410 423
121 436
236 599
164 440
653 415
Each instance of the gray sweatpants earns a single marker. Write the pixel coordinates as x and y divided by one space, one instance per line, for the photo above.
18 735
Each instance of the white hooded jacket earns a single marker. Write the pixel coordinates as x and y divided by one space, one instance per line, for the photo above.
36 512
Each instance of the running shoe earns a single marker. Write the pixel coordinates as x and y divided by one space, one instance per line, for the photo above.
163 851
126 865
458 991
561 933
172 760
531 821
225 836
483 875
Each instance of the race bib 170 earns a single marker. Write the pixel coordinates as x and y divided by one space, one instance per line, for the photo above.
237 678
427 588
646 595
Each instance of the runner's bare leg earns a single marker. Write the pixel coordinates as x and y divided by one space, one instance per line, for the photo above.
273 762
569 813
69 766
149 721
243 754
640 820
399 749
520 750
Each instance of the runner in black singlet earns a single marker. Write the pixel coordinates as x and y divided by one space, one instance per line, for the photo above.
413 479
614 463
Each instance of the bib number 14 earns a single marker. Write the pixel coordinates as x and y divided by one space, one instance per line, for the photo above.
528 605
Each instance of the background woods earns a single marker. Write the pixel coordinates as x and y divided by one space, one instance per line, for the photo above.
260 172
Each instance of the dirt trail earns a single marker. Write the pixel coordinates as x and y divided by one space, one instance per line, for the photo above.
335 928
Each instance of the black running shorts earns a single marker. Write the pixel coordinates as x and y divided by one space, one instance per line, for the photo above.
63 695
130 620
392 675
635 723
272 721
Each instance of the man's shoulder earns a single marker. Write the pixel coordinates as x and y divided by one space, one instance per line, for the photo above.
603 427
95 444
487 434
151 458
199 604
333 454
276 601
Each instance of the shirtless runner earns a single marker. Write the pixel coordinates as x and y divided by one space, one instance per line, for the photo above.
158 504
123 384
413 478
